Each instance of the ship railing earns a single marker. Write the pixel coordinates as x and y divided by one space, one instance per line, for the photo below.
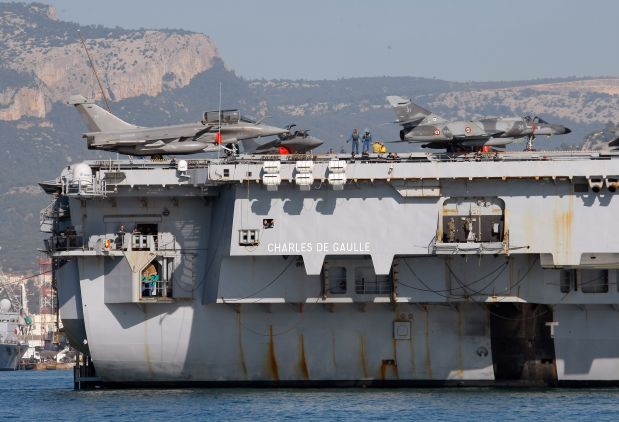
10 339
471 248
64 242
132 242
155 288
101 244
85 186
53 211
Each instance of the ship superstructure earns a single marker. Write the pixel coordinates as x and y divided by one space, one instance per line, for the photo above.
12 344
426 269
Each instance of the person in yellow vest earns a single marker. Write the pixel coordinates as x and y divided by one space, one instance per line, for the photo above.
379 148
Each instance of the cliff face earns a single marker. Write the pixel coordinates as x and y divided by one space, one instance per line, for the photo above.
580 101
48 55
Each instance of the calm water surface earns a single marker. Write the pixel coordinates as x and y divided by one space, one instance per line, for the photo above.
48 395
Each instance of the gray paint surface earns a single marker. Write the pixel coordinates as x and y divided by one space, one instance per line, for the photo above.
343 282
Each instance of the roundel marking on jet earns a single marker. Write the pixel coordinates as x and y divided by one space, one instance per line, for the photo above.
467 129
437 131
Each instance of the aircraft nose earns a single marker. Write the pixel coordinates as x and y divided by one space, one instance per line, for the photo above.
315 142
560 130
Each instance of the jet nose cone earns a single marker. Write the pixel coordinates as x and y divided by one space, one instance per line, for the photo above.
315 142
560 130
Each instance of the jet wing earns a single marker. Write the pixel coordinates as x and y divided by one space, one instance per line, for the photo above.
144 136
495 133
102 139
464 130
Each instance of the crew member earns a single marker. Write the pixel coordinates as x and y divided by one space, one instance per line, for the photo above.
367 140
120 238
379 148
354 137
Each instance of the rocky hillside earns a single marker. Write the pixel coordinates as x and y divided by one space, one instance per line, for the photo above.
42 60
165 77
599 139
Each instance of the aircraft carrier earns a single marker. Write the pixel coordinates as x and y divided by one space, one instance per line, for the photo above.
325 270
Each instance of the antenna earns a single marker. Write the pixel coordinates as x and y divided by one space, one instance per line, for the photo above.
218 137
220 116
94 70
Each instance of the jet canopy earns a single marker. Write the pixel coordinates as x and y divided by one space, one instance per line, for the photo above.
535 119
230 117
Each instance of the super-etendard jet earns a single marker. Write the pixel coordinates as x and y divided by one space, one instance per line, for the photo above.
109 133
421 125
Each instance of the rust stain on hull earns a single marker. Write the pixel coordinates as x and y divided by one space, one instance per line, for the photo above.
272 359
302 361
388 364
563 228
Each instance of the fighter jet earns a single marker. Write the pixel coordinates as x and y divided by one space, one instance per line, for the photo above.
109 133
297 142
421 125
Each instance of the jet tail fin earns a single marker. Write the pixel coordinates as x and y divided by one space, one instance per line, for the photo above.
97 119
407 112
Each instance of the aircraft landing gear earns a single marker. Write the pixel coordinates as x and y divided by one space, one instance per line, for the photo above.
529 146
231 149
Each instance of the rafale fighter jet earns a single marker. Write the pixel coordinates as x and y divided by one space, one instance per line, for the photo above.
109 133
297 142
421 125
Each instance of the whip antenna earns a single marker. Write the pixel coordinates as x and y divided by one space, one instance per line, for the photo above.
94 70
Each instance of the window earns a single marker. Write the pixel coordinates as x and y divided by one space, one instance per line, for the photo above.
568 280
337 280
472 220
588 281
156 278
366 282
594 281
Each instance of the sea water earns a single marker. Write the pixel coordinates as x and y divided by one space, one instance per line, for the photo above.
49 396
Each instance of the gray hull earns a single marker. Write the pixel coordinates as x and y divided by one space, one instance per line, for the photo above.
10 355
421 272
